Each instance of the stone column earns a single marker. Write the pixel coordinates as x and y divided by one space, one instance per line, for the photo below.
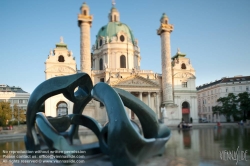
164 31
149 99
85 48
140 94
84 22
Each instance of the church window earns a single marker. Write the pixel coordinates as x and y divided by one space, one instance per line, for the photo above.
184 84
100 44
122 38
101 104
62 109
60 58
101 64
185 105
85 12
122 61
166 21
115 17
183 66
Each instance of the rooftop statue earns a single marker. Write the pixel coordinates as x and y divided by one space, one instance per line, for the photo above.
119 138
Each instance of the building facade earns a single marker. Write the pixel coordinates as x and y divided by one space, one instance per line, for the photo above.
115 59
14 95
209 93
60 62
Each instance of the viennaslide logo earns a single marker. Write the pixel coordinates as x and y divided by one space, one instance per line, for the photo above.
233 155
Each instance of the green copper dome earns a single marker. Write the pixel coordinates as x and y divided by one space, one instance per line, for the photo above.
163 16
111 30
84 4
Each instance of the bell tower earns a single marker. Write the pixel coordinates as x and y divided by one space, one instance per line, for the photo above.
114 15
167 82
85 22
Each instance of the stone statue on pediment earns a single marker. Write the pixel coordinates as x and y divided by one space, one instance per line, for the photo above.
51 53
70 53
175 60
105 65
107 39
93 48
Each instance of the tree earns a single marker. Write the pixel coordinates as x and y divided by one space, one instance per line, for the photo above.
19 114
5 113
244 104
227 106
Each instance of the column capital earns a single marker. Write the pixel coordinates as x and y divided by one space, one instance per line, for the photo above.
165 28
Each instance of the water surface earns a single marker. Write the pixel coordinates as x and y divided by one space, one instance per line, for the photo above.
194 147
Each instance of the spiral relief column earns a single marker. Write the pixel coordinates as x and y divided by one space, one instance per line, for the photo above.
167 82
85 22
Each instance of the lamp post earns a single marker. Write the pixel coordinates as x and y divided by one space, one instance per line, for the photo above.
18 115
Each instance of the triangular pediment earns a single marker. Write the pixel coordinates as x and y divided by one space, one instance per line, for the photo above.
60 69
134 81
184 75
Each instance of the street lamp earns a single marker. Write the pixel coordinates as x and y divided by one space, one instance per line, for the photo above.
18 115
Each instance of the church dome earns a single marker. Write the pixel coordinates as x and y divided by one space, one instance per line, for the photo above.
112 28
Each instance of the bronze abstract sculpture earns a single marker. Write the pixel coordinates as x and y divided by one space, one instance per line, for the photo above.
119 138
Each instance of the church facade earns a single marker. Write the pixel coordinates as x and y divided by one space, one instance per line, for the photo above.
115 59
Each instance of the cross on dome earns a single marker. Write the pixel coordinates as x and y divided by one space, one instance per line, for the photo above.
113 2
178 50
61 39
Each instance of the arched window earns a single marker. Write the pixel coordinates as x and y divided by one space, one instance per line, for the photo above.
183 66
62 108
186 111
185 104
115 18
85 12
166 22
122 61
60 58
101 64
100 43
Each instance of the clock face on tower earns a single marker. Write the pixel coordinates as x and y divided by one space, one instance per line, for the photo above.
122 38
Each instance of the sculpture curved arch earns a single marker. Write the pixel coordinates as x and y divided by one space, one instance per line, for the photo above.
124 144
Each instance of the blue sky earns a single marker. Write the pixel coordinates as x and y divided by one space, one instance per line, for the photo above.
215 34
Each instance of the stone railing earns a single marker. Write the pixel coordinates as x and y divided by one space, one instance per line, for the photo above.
121 70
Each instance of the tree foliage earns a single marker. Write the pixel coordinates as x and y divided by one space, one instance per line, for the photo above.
19 114
5 113
236 106
244 104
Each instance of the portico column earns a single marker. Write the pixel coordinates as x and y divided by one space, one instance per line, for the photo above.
149 99
140 94
157 106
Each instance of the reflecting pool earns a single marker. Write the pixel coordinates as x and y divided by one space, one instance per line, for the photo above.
205 147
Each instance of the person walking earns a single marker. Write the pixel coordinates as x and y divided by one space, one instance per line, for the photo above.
191 120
